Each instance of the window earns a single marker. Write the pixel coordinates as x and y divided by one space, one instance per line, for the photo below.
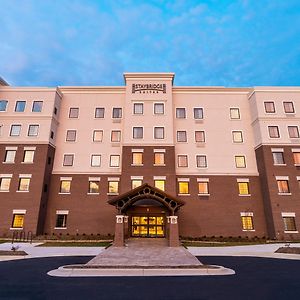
181 136
247 223
65 186
116 136
288 107
283 186
33 130
198 113
159 158
18 221
15 130
24 184
71 136
159 132
237 136
97 135
296 156
138 108
293 131
114 161
96 160
183 187
117 113
28 156
182 161
180 113
273 131
52 135
289 224
10 156
55 110
94 186
240 162
20 106
99 112
61 221
235 113
278 158
137 158
68 160
3 105
200 136
137 132
201 161
4 183
243 188
74 112
269 107
203 188
113 187
159 108
160 184
136 183
37 106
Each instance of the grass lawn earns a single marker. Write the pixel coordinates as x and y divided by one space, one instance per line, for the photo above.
75 244
217 244
3 241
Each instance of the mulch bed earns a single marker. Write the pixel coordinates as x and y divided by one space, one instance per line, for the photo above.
12 253
289 250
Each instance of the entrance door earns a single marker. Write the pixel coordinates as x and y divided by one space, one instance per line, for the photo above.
147 226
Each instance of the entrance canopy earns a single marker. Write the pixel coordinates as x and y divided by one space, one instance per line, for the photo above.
146 191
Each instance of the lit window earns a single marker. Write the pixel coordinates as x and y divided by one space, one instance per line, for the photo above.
20 106
99 112
240 162
24 184
200 136
247 223
288 107
269 107
198 113
203 188
4 183
65 186
15 130
136 183
97 135
74 112
235 113
159 132
116 136
10 156
71 136
37 106
296 156
113 187
159 158
137 132
289 224
293 131
243 188
3 105
283 186
94 186
273 131
96 161
138 108
114 161
182 161
278 158
61 221
28 156
18 221
159 108
180 113
201 161
181 136
160 184
137 158
117 113
68 160
33 130
237 136
183 187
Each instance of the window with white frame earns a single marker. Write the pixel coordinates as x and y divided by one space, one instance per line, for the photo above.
237 136
15 130
243 186
116 136
71 136
138 108
18 220
183 187
159 108
247 221
293 131
273 131
28 156
99 112
235 113
159 132
10 155
73 112
181 136
201 161
24 183
269 107
159 158
137 133
180 113
3 105
96 160
288 107
65 185
289 221
203 186
37 106
68 160
199 136
61 220
160 184
137 158
117 113
283 185
97 135
113 186
20 106
182 160
198 113
240 161
114 161
5 182
33 130
278 157
94 185
296 157
136 183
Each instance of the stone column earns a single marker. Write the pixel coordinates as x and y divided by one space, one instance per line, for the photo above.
119 231
173 231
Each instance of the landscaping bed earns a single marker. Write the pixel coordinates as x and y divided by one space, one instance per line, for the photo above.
13 253
76 244
288 250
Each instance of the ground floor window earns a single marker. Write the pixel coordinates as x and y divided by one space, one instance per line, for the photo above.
61 221
289 224
65 186
283 186
247 220
203 188
160 184
18 221
113 187
94 186
183 187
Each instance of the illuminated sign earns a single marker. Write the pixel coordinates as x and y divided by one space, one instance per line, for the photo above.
144 88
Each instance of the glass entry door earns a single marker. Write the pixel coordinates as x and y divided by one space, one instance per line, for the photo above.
147 226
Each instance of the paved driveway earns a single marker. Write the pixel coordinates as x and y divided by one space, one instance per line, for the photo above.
256 278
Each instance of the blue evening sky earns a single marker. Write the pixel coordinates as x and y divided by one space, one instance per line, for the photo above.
209 42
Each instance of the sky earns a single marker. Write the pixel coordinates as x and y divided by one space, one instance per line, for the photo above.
205 43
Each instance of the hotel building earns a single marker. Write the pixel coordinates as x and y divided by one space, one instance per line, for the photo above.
215 161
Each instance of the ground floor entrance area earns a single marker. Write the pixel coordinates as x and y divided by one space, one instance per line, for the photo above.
147 226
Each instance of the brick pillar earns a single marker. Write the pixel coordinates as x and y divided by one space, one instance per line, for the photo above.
119 231
173 231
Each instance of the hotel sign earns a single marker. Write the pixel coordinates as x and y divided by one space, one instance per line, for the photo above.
148 88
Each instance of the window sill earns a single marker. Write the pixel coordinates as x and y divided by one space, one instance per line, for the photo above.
112 194
198 120
116 120
159 165
249 230
285 194
13 228
4 191
184 194
201 195
291 231
278 165
27 163
245 195
137 165
93 193
64 193
22 191
297 165
8 162
60 227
